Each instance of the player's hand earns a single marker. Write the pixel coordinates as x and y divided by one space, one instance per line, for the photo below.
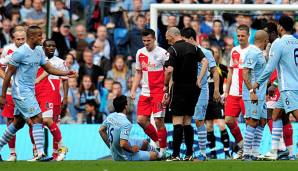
165 100
2 102
253 97
133 95
216 96
72 74
271 91
135 149
64 103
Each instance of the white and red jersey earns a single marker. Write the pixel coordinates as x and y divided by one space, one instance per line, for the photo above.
237 59
5 57
51 83
151 64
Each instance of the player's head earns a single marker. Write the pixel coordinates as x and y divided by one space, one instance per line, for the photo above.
120 104
148 37
261 39
19 35
285 24
189 35
49 47
172 35
34 35
272 31
243 35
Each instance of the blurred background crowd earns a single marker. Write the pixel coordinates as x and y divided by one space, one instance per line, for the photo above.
99 39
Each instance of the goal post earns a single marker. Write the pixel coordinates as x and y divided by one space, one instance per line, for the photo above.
155 8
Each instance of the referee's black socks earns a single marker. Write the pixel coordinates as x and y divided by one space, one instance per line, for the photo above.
225 139
189 139
211 144
177 139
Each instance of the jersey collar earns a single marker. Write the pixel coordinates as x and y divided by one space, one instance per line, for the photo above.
121 114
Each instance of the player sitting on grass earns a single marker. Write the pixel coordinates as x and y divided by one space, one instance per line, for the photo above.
115 132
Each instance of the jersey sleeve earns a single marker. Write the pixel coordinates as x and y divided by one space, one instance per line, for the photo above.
200 54
125 131
16 59
274 57
63 67
172 54
138 65
164 56
210 58
250 61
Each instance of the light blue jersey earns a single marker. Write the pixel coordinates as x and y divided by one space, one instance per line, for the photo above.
201 106
118 127
211 63
283 55
26 61
256 62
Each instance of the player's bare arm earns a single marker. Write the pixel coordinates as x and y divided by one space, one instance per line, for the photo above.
52 70
125 145
10 71
136 83
168 78
41 77
229 82
65 92
216 94
2 74
246 79
104 135
204 63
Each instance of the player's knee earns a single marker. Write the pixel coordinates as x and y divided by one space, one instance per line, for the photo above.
252 122
222 125
153 155
47 121
276 114
159 123
229 121
19 123
199 123
37 118
263 122
209 126
142 121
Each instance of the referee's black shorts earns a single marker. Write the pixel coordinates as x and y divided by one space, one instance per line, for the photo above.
183 100
214 111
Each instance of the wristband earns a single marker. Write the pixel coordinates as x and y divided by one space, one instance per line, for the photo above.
251 90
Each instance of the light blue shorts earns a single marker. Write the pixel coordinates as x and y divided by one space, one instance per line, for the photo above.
139 156
288 100
27 108
255 111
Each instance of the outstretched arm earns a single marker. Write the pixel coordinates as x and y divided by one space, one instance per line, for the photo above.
52 70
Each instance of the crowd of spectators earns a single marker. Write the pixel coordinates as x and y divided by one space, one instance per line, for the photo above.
99 40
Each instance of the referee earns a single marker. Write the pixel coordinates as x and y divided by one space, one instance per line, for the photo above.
182 68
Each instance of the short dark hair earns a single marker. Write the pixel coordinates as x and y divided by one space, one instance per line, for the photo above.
147 32
92 103
217 21
117 83
188 33
140 16
32 29
119 103
243 27
286 22
48 40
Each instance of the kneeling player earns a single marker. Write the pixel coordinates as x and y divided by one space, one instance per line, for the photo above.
115 132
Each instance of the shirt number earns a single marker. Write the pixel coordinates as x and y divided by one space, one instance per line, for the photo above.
296 56
110 134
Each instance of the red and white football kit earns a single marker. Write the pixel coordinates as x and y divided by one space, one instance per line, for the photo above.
151 64
48 90
8 109
234 103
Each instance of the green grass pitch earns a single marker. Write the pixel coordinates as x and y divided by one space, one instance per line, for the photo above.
108 165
